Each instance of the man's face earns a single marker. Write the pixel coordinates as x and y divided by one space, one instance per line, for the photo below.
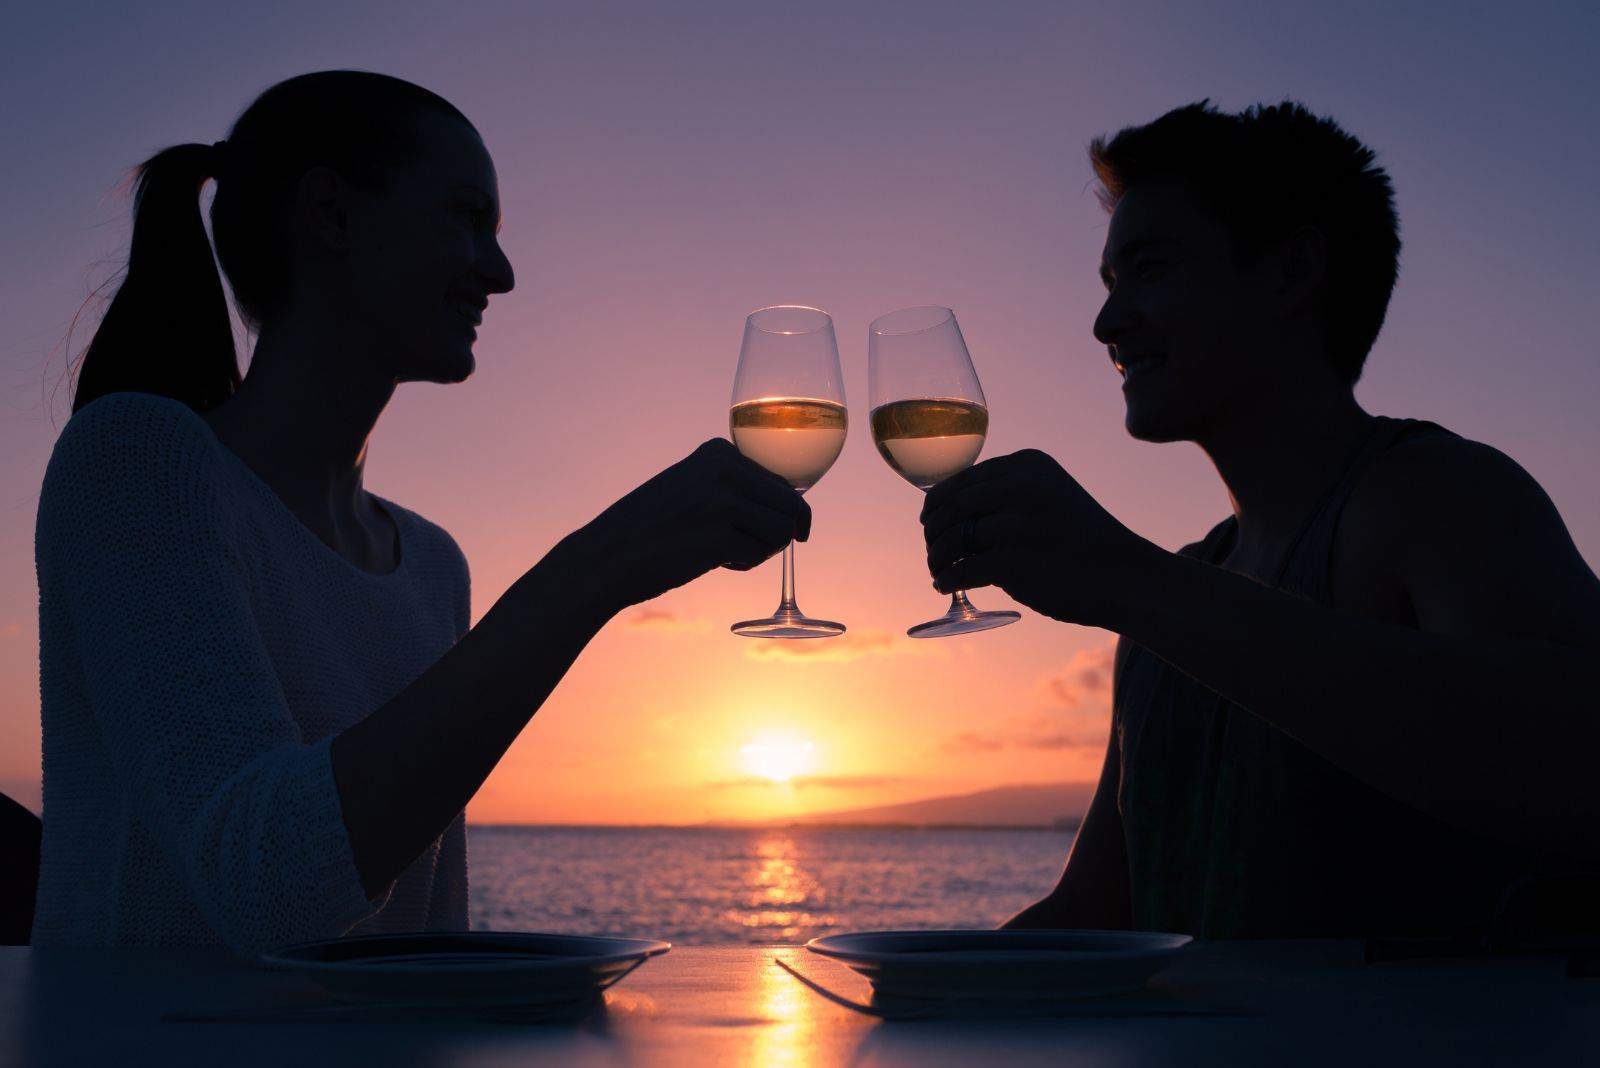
1184 325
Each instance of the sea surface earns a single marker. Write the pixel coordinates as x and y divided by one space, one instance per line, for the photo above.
724 886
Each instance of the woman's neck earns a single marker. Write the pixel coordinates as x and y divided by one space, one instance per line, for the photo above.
302 419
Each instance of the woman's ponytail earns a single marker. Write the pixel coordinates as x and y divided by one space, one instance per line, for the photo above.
167 329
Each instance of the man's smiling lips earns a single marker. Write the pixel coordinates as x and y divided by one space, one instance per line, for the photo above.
1132 366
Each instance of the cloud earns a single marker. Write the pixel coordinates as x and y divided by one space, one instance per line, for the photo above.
825 782
972 742
1076 713
853 645
1087 738
1086 680
662 619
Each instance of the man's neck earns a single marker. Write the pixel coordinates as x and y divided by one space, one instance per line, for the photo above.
1279 460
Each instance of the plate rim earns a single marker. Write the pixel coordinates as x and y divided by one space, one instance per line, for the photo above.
281 957
1172 943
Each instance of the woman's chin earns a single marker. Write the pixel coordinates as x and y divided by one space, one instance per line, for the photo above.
458 367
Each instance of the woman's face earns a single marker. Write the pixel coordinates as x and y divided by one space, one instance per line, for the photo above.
429 256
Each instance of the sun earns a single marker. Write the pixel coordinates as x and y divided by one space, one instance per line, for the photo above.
777 757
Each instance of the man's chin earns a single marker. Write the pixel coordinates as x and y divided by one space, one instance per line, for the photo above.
1145 423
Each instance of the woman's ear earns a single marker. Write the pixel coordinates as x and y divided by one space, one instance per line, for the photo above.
322 208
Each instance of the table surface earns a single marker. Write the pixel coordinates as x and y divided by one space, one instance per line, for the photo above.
1301 1002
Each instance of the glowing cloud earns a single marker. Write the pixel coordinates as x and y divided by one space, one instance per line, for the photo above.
848 647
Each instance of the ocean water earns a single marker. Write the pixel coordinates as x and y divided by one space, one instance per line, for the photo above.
722 886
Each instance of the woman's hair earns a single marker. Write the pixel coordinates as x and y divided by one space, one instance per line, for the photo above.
167 330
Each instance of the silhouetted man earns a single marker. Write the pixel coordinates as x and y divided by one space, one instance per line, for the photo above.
1363 704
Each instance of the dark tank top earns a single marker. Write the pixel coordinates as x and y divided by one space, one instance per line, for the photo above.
1235 830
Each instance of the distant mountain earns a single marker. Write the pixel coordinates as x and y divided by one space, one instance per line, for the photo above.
1039 805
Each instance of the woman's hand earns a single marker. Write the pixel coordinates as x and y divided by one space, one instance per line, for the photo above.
714 508
1022 523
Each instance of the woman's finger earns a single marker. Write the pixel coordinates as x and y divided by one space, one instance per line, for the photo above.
762 486
738 550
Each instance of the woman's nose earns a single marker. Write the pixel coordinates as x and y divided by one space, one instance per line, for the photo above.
496 269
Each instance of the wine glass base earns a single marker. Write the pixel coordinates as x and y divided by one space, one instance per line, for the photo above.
954 623
788 625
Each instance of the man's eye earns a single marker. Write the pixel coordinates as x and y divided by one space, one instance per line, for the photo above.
1150 270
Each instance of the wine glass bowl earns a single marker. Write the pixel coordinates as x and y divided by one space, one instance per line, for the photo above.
929 421
788 414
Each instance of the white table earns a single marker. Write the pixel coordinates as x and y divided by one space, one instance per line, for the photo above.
1307 1002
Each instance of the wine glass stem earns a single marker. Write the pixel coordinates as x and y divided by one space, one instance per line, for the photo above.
959 605
788 607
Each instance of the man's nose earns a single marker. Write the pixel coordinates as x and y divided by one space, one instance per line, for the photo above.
1115 319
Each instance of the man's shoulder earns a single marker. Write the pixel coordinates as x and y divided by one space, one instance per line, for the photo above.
1431 484
1460 534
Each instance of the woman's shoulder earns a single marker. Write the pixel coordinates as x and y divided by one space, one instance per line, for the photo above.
431 544
130 429
128 452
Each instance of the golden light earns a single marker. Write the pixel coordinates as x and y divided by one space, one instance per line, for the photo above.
777 757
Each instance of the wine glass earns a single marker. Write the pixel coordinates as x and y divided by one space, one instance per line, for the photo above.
929 420
788 415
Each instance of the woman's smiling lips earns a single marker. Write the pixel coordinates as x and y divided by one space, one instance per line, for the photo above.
468 309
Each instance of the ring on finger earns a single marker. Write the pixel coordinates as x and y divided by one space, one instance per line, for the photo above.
969 537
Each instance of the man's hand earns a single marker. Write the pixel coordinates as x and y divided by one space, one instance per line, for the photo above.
1022 523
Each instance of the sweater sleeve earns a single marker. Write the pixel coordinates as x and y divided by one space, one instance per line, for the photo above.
133 538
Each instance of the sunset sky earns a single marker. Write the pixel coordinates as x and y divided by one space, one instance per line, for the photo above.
666 168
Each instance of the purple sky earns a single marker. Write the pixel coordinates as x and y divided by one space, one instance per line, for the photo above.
667 168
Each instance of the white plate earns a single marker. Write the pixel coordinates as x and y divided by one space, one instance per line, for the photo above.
480 968
1003 965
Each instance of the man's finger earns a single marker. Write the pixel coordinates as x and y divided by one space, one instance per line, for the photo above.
987 532
973 573
992 496
972 476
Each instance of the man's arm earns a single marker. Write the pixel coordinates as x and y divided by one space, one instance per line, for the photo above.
1093 891
1484 717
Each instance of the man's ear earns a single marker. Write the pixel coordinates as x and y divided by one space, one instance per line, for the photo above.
1305 266
322 206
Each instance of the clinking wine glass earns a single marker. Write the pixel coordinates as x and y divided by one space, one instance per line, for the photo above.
788 415
929 420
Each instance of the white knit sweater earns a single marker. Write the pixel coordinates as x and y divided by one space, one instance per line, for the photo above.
199 647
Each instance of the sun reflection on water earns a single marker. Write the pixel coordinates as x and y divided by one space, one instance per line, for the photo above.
779 898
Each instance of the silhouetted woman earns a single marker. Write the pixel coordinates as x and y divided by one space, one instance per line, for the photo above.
263 707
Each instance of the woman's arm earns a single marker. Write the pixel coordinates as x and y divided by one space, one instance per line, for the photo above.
406 770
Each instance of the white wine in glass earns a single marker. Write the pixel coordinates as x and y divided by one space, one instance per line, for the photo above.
929 421
927 440
788 415
796 438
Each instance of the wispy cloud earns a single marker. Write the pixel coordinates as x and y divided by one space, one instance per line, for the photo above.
1086 680
1076 712
972 742
824 782
650 617
853 645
